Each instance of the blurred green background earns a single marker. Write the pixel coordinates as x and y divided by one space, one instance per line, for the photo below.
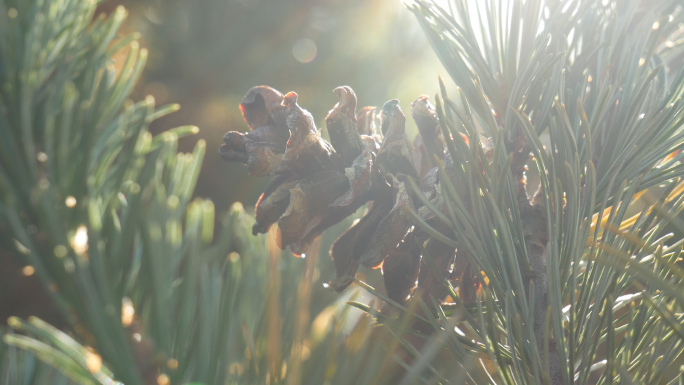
206 54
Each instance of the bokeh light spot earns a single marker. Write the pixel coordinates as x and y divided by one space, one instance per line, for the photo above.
163 379
236 369
93 361
304 50
60 251
79 242
28 270
172 364
127 312
70 202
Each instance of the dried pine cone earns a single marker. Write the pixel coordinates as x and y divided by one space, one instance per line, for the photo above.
316 184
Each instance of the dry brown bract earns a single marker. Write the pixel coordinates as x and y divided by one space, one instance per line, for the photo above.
316 184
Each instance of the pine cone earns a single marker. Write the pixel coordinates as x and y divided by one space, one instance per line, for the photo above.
316 184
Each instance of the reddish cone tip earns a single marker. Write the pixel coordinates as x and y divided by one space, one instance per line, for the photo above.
290 99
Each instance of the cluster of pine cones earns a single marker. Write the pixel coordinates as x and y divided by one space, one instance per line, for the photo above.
316 184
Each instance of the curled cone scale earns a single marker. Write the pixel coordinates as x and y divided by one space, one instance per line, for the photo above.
394 156
273 202
426 119
306 152
346 251
401 269
430 142
359 174
309 206
261 148
341 122
390 230
365 122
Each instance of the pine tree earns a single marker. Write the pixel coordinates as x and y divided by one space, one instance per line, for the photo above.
537 276
574 278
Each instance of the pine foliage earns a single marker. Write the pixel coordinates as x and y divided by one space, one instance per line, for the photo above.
600 83
581 279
